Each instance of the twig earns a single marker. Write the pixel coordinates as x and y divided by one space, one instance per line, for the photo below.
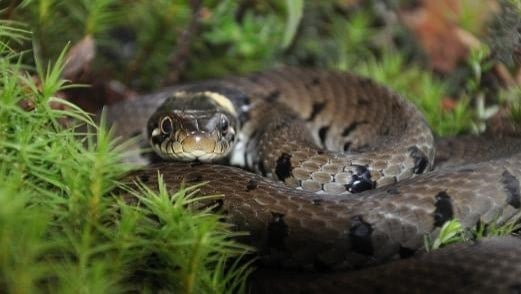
178 60
9 11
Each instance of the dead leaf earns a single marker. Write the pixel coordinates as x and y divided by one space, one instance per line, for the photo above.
79 58
435 24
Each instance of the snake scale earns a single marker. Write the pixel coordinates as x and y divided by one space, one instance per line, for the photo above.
344 177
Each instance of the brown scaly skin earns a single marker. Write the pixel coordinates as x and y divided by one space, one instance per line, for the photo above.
460 268
301 229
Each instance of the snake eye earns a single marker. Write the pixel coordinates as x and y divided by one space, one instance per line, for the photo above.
166 125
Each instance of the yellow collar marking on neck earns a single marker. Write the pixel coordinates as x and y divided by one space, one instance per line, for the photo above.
222 101
219 99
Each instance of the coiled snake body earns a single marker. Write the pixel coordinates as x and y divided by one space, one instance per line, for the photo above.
358 190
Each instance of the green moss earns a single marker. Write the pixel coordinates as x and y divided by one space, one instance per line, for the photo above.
512 97
453 232
61 229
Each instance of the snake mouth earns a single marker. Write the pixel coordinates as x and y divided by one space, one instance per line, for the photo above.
200 146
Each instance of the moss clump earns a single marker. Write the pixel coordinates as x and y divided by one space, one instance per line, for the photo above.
61 229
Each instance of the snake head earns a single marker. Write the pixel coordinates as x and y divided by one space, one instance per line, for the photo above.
192 127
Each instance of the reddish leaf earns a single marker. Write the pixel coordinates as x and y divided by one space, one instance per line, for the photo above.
435 24
448 104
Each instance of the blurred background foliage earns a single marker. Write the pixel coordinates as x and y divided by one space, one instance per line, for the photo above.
454 58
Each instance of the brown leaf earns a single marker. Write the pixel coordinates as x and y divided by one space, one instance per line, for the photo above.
435 24
27 105
79 58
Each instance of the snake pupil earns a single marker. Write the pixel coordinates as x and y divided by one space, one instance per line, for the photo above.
224 126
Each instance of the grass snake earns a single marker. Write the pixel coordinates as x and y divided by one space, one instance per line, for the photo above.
343 174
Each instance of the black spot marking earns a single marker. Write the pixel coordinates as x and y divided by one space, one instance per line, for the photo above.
360 180
245 100
420 160
347 145
273 95
322 133
444 211
317 201
262 168
512 188
283 167
514 289
393 191
360 236
317 108
352 127
363 101
251 185
195 163
277 231
406 252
